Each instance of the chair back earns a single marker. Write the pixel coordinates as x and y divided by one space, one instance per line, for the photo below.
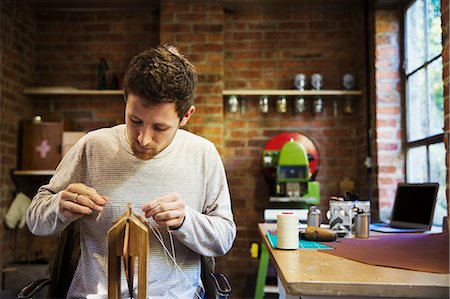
63 261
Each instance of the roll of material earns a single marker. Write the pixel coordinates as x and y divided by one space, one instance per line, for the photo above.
287 231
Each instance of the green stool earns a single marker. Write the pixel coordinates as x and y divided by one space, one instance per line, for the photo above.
262 272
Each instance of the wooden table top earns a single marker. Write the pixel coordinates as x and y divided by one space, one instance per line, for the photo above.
311 272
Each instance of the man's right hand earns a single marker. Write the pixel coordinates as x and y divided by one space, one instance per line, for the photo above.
79 200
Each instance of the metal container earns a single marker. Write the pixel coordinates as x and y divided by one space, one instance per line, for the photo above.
361 227
314 216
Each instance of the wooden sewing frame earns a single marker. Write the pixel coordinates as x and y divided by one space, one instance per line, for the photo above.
128 239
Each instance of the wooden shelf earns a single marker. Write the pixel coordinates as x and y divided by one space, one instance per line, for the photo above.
43 91
34 172
227 92
289 92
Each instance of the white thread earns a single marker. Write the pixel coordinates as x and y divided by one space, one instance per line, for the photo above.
175 263
287 231
160 238
171 242
116 205
172 245
110 205
98 216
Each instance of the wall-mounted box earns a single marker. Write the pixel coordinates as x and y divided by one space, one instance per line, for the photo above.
41 145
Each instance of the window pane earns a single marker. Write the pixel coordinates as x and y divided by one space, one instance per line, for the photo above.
416 103
434 28
437 174
436 98
415 36
416 165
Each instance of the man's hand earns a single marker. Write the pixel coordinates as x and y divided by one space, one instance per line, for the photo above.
168 210
79 200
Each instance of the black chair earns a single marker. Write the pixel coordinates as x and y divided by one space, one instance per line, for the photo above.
64 259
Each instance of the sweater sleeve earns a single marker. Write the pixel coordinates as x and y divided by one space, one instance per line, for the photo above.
43 215
212 232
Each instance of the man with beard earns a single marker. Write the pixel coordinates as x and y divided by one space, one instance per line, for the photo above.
173 178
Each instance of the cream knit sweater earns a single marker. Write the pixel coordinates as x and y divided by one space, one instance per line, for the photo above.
103 160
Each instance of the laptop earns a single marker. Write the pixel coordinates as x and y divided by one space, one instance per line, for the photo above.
413 209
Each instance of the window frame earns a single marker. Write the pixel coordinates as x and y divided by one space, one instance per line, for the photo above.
429 139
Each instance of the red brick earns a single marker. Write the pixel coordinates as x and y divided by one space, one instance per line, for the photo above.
389 110
100 27
183 38
387 123
382 146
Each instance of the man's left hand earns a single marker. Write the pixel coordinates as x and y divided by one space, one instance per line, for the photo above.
168 210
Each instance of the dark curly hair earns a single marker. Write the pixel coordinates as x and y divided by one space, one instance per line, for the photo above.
162 75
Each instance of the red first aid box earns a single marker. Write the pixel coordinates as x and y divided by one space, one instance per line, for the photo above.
41 145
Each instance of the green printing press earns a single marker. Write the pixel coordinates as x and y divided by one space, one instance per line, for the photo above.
290 163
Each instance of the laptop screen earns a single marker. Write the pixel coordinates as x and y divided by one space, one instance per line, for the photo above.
414 205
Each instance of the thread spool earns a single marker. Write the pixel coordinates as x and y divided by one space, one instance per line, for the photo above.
287 230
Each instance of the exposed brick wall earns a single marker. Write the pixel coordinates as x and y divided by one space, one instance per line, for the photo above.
235 47
63 49
265 47
197 30
389 157
18 36
445 17
70 46
259 49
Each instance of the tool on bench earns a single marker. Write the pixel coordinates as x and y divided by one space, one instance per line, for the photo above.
314 233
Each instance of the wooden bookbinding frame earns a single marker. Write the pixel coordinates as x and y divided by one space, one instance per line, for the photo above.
128 239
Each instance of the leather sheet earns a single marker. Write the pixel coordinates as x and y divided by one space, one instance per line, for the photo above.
420 252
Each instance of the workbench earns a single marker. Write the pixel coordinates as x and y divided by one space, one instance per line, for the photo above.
309 272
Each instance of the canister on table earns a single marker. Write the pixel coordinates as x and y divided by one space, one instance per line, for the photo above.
314 216
362 223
